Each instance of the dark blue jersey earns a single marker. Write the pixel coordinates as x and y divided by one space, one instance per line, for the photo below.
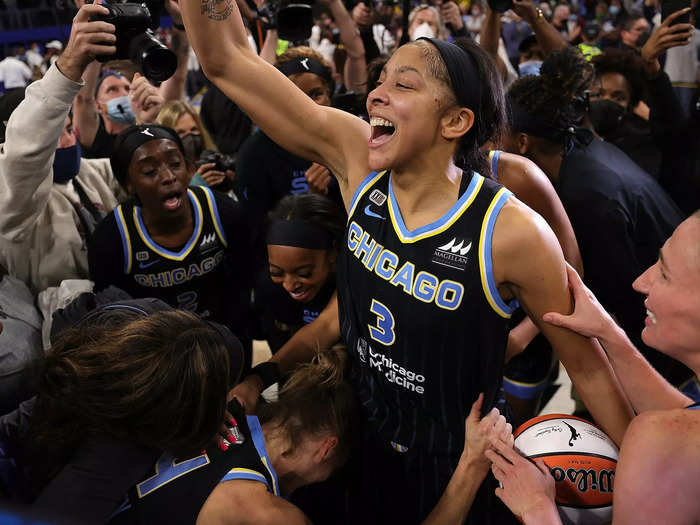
421 314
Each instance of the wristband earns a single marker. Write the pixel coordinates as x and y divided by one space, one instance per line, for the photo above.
181 27
268 372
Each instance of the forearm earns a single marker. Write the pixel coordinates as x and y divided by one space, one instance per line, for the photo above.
599 388
85 119
349 33
491 32
458 497
269 50
174 87
548 37
26 158
645 387
304 345
520 336
548 515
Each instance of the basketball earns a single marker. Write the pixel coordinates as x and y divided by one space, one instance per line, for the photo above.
582 460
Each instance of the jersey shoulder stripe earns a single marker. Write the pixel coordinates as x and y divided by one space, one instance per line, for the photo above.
126 240
214 211
259 442
494 155
247 474
365 185
442 224
163 252
488 282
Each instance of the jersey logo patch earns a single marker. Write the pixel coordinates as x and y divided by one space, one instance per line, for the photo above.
453 254
362 349
208 242
141 256
377 197
143 265
369 212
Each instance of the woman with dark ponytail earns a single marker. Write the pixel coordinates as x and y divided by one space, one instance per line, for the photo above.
620 215
434 258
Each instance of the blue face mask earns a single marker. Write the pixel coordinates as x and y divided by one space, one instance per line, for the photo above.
613 10
66 163
531 67
119 110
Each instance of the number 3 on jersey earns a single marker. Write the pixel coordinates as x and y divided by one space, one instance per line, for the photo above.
383 332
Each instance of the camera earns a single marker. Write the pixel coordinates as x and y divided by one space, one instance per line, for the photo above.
500 6
221 162
293 20
136 41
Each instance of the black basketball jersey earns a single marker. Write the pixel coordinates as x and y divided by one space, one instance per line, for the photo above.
421 314
191 278
177 490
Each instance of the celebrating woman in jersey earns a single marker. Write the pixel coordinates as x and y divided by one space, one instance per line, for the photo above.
186 246
433 259
303 236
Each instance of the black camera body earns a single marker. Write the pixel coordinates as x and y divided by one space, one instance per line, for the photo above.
221 162
136 41
500 6
292 18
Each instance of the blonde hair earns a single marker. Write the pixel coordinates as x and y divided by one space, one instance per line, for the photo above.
172 111
442 30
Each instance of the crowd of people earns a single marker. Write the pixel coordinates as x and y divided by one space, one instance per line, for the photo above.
422 213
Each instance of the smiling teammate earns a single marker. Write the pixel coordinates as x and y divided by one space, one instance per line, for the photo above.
432 263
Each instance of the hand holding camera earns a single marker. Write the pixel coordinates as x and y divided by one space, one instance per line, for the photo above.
215 167
88 40
146 99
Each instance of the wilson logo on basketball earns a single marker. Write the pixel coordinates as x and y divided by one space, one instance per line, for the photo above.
582 460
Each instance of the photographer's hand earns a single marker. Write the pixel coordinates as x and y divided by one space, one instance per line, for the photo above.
452 16
87 41
210 175
173 9
362 15
664 37
318 178
146 99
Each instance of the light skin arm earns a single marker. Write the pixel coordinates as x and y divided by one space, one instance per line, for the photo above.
174 87
644 386
85 118
658 464
473 465
269 50
548 37
289 117
531 186
355 73
323 332
528 264
242 502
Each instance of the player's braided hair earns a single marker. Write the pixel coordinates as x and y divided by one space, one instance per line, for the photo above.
557 95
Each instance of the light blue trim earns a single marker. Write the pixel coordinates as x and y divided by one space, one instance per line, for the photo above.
368 180
259 442
190 243
252 476
433 225
123 233
490 280
494 164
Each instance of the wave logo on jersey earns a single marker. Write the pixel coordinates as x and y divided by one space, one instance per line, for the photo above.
453 254
208 242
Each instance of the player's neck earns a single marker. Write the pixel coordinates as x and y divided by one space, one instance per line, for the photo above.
175 226
277 447
424 197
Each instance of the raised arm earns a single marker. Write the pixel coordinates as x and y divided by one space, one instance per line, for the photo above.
548 37
290 118
355 73
86 121
528 263
174 87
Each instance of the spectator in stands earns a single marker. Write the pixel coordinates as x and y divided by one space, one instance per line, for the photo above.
633 33
682 67
35 60
376 37
474 19
53 51
50 199
181 117
589 46
14 74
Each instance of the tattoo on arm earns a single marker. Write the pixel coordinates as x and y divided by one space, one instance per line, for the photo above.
217 9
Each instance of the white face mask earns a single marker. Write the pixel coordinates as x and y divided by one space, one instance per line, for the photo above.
423 30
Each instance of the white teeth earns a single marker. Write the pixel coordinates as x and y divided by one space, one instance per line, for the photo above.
651 316
377 121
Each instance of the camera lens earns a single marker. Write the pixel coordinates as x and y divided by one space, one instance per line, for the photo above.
157 62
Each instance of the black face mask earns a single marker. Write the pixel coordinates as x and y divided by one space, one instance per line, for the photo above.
606 116
642 39
193 145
